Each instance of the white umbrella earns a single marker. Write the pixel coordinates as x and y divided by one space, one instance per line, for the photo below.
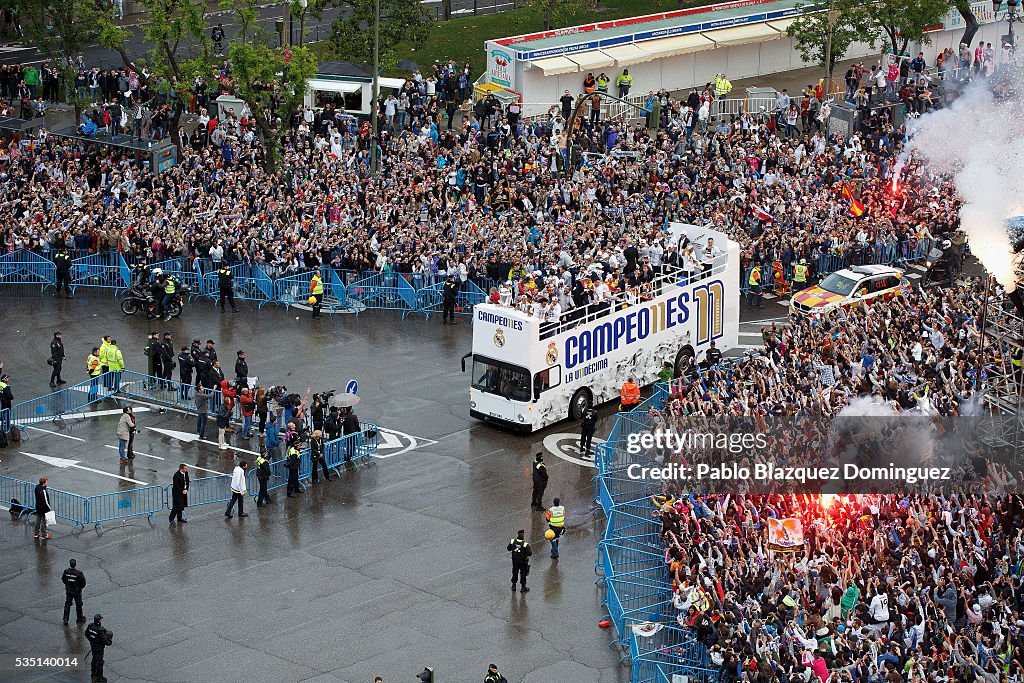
343 400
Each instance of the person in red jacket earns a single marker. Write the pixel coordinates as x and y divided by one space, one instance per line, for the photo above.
228 395
248 405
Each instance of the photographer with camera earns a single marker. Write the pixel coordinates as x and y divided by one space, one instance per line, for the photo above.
99 638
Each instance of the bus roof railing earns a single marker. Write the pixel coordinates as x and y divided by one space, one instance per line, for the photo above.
670 276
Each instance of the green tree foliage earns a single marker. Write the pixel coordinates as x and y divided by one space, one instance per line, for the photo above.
272 83
400 21
900 22
555 12
60 30
845 20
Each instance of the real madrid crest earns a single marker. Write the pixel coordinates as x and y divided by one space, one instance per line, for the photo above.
499 337
552 355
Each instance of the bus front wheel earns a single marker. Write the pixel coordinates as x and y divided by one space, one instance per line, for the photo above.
581 401
684 360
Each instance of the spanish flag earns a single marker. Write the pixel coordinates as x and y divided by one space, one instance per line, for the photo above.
856 208
846 192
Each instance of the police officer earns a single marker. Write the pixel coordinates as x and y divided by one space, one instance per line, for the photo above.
712 356
74 581
6 395
540 482
166 360
170 287
226 285
241 370
179 494
153 355
63 263
263 477
56 360
588 425
800 275
292 463
521 553
754 295
186 363
493 676
98 638
449 293
556 522
316 290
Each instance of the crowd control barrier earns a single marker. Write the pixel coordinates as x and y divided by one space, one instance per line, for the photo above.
384 291
70 506
429 300
5 419
104 270
46 408
635 583
147 500
204 490
17 492
352 448
25 267
250 283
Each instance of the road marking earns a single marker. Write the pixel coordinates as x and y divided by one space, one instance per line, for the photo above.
145 455
206 469
64 463
66 436
389 439
188 437
555 445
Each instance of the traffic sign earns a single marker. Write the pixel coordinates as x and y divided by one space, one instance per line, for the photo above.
352 387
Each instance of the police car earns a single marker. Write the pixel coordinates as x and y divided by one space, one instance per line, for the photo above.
848 287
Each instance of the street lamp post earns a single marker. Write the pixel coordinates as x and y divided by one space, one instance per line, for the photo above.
374 162
303 4
1012 16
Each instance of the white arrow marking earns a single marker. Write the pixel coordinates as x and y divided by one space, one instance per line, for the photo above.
391 436
145 455
190 438
553 442
47 431
64 463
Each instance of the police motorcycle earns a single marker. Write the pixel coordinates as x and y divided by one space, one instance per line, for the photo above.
146 293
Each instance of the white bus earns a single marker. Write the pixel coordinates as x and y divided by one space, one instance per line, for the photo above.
527 374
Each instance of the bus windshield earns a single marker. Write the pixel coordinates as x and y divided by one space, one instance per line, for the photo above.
501 379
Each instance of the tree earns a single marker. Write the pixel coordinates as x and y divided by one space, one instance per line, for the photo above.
554 12
901 22
826 30
272 83
60 30
179 51
970 21
400 21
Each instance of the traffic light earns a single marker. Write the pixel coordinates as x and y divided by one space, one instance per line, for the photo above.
427 676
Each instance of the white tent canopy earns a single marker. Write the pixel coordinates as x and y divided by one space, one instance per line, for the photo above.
552 66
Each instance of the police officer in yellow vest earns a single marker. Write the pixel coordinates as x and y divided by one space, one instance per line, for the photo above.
104 343
1017 361
754 295
556 522
800 275
316 291
92 368
723 86
170 287
115 363
624 82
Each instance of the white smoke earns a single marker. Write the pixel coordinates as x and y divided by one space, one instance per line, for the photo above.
978 139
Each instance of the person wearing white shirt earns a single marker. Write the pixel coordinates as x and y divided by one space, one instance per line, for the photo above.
878 609
539 311
711 252
238 489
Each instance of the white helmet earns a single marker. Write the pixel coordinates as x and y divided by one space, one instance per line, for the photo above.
158 271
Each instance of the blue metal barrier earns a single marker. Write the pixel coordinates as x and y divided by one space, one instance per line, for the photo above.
70 399
106 270
26 267
251 283
69 506
5 420
429 299
17 492
147 500
206 490
384 291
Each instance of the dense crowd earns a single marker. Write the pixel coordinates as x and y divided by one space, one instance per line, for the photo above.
484 194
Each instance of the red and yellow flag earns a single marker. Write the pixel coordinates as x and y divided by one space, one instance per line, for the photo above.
856 208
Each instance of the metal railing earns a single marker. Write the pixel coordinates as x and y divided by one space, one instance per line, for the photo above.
106 507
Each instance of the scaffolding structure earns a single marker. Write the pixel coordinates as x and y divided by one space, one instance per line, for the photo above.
1003 378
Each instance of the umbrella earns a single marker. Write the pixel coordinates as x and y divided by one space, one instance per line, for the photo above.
343 400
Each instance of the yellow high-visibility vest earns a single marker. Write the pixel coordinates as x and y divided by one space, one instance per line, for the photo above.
557 515
799 273
318 285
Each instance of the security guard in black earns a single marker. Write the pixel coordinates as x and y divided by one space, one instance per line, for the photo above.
540 482
521 553
98 638
225 283
74 581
